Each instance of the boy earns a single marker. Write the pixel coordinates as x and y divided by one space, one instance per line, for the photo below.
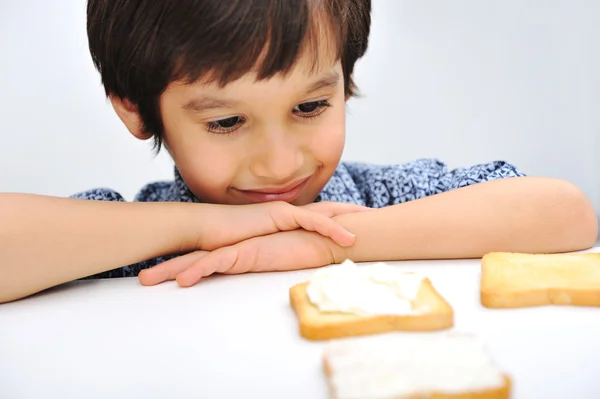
248 98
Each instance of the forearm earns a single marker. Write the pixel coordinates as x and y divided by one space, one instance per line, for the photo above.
46 241
535 215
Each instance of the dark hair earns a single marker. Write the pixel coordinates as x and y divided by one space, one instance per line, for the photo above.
140 46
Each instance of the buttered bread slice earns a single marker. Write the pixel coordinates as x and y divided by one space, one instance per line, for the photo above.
350 300
405 366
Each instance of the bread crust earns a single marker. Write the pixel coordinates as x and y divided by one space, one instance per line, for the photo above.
314 325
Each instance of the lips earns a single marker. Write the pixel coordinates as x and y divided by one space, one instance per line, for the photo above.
286 193
280 190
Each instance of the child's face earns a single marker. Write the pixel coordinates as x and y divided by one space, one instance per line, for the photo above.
247 142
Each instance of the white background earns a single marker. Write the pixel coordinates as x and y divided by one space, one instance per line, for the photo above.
464 81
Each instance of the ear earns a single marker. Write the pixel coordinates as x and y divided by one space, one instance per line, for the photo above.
128 113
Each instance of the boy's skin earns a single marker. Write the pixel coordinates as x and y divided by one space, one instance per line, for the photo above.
278 132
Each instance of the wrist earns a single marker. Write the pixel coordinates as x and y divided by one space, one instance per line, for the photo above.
340 253
189 224
337 253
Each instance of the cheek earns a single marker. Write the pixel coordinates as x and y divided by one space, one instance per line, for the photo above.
328 143
205 166
201 159
208 172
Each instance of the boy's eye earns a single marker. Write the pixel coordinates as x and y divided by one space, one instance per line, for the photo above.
311 109
226 125
308 107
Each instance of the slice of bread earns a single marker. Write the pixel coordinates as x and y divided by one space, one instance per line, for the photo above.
404 366
435 314
514 280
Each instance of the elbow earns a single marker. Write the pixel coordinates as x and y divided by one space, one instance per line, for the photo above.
576 221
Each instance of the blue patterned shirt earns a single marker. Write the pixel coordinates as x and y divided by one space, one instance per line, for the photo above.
374 186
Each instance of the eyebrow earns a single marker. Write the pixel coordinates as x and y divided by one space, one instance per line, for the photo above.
330 80
207 103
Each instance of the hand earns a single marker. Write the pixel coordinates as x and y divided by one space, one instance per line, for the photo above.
230 224
276 252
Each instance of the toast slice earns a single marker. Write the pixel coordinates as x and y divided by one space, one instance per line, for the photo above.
397 366
514 280
433 313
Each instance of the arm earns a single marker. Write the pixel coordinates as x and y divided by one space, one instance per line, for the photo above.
46 241
521 214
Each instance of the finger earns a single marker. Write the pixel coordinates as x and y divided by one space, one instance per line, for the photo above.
218 261
323 225
169 269
332 209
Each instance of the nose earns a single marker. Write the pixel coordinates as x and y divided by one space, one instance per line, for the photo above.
279 157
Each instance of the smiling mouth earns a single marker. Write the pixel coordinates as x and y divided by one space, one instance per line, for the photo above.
286 193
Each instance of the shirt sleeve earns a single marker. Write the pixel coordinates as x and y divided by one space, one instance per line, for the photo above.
99 194
394 184
133 270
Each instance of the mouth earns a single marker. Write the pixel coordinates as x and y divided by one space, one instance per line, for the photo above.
286 193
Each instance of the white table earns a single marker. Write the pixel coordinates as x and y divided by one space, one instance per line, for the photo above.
237 337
